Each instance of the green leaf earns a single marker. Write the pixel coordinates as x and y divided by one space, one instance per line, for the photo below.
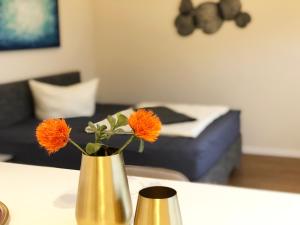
92 148
119 130
98 135
105 137
122 120
112 121
92 127
141 147
102 128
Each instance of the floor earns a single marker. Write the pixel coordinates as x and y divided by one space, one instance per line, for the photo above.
265 172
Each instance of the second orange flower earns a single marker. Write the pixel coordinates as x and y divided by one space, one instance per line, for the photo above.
145 125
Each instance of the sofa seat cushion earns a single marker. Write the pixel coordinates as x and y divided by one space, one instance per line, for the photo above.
193 157
19 140
24 132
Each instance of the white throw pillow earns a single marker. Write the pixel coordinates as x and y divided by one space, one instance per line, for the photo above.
52 101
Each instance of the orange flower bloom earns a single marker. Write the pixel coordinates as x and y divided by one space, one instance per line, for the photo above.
53 134
145 125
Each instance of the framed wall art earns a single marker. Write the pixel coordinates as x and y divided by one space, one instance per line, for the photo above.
29 24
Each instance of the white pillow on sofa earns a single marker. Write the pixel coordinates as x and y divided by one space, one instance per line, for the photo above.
52 101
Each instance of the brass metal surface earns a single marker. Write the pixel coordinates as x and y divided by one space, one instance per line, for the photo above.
4 214
103 194
157 206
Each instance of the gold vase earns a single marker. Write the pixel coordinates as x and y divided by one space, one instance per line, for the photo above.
103 194
157 206
4 214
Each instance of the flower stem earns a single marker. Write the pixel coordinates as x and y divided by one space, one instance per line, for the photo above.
125 145
111 132
77 146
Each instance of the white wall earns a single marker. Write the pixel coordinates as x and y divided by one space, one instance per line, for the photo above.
77 51
257 70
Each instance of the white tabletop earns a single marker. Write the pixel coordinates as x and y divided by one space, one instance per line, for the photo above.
46 196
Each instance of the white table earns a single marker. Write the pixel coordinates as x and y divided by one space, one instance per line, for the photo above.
46 196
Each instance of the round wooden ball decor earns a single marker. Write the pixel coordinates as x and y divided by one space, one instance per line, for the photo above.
229 9
185 24
186 7
242 19
209 16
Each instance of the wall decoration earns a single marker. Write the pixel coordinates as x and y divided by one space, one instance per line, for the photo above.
27 24
209 16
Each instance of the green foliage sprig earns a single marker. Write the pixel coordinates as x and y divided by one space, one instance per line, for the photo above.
103 134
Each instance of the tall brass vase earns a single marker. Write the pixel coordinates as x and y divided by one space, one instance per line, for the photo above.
103 194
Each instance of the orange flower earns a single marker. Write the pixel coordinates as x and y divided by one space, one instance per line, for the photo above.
145 125
53 134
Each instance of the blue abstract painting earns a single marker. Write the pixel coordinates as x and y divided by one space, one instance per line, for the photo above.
27 24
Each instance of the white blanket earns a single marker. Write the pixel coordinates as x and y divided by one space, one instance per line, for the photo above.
204 115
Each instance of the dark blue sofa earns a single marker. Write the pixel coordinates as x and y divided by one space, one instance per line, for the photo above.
210 158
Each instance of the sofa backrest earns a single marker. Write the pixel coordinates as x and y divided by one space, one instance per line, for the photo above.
16 102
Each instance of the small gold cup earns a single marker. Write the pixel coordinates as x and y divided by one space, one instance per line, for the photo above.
157 206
